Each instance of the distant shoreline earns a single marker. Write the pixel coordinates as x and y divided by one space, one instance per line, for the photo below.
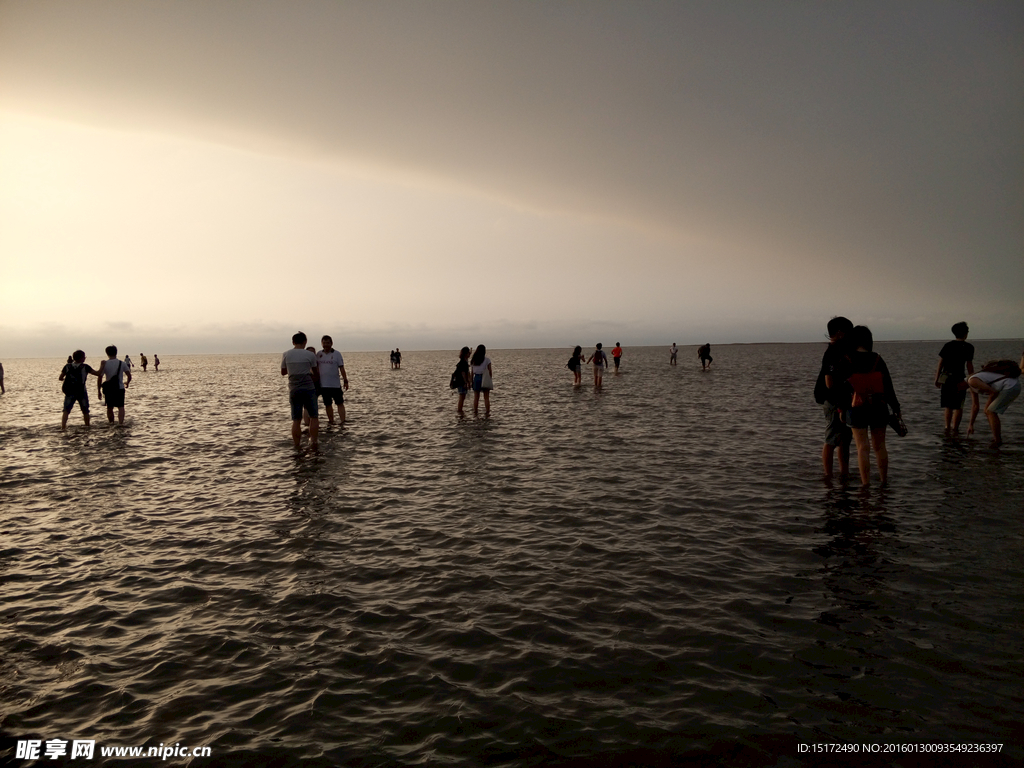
407 350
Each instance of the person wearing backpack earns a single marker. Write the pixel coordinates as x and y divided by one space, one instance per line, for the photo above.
74 375
461 380
1000 379
871 396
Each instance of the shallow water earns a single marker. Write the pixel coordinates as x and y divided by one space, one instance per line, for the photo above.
653 572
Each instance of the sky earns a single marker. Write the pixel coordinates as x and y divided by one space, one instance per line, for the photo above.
194 176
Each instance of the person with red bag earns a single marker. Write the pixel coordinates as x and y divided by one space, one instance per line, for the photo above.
871 396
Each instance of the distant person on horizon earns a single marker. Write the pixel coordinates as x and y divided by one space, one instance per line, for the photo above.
1000 380
617 355
332 375
462 378
482 381
950 376
74 375
704 353
575 365
673 351
872 395
156 362
398 358
298 365
600 361
144 360
830 393
118 376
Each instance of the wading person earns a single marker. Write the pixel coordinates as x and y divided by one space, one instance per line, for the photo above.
831 394
332 379
118 376
461 378
704 353
600 361
617 355
482 382
872 395
298 365
950 378
1000 380
74 376
575 365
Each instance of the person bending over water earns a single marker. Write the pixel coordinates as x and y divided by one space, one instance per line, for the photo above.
482 373
871 396
1000 380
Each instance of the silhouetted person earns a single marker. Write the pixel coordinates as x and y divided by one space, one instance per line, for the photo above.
74 375
118 377
950 377
298 365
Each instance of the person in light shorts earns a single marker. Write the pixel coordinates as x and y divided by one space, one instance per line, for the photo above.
1000 380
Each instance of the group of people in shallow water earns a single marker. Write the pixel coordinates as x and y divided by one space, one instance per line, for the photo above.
114 377
703 352
855 390
144 361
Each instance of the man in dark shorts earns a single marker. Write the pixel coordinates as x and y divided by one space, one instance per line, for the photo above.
617 355
955 356
830 393
118 377
332 379
704 353
298 364
74 375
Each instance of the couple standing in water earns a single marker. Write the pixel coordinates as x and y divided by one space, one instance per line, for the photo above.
474 373
855 391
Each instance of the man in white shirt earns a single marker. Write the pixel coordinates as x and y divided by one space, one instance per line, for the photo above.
118 377
332 374
298 364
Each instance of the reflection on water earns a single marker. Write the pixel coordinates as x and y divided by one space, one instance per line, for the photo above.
651 574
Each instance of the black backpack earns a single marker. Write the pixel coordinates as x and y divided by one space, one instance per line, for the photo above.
72 384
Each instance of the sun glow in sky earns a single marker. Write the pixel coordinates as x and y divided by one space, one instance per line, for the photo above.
211 176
